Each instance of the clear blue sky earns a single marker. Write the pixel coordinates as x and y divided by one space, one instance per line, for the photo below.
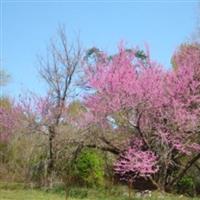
27 27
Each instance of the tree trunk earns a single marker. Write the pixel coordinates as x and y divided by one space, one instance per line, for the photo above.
130 187
51 153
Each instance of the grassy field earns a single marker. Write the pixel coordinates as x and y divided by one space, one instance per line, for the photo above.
28 195
18 193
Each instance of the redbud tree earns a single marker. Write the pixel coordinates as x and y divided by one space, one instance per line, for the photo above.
160 108
10 117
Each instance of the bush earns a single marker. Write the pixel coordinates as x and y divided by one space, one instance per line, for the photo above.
89 168
25 158
186 185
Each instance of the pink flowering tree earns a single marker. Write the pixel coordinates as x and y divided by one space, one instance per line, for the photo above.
130 93
136 162
28 113
9 121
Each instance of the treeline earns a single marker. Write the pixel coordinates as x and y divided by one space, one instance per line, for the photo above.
106 119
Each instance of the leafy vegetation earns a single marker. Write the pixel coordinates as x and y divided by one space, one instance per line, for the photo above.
89 168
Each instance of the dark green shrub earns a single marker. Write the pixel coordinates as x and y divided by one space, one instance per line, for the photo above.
89 168
186 185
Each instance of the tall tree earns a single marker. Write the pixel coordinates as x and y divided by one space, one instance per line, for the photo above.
59 70
159 108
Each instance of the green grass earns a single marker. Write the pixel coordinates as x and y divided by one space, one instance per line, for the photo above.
19 192
28 195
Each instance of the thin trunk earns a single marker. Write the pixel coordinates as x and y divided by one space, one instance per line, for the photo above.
197 166
51 153
130 187
154 182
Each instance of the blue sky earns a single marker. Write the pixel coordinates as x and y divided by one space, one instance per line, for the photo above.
27 26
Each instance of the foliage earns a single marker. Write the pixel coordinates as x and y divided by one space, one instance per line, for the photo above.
187 55
89 167
25 166
135 163
10 116
190 183
160 108
186 185
149 117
